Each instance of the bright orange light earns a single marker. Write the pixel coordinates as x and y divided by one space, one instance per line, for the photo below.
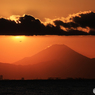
18 38
14 18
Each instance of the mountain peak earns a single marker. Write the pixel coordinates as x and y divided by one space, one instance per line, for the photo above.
58 45
58 52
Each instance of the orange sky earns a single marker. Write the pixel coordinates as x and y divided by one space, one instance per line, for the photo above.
13 48
44 8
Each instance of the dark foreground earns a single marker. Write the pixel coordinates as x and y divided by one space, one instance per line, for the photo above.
47 87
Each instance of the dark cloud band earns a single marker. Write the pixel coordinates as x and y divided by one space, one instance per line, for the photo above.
28 25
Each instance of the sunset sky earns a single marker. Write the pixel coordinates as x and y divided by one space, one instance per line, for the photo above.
44 8
63 15
14 48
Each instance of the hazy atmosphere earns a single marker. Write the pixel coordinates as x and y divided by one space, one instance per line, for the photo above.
47 38
47 47
14 48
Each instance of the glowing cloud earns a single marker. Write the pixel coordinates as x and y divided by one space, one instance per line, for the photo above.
15 18
82 23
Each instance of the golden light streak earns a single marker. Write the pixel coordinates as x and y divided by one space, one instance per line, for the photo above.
14 18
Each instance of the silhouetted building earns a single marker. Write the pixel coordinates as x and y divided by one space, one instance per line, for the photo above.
22 78
1 77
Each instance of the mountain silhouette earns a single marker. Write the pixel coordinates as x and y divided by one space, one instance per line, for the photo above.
54 61
61 53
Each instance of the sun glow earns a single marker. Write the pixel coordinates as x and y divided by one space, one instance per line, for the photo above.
18 38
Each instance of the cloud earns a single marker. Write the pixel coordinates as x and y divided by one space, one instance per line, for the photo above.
82 23
85 20
7 26
14 18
